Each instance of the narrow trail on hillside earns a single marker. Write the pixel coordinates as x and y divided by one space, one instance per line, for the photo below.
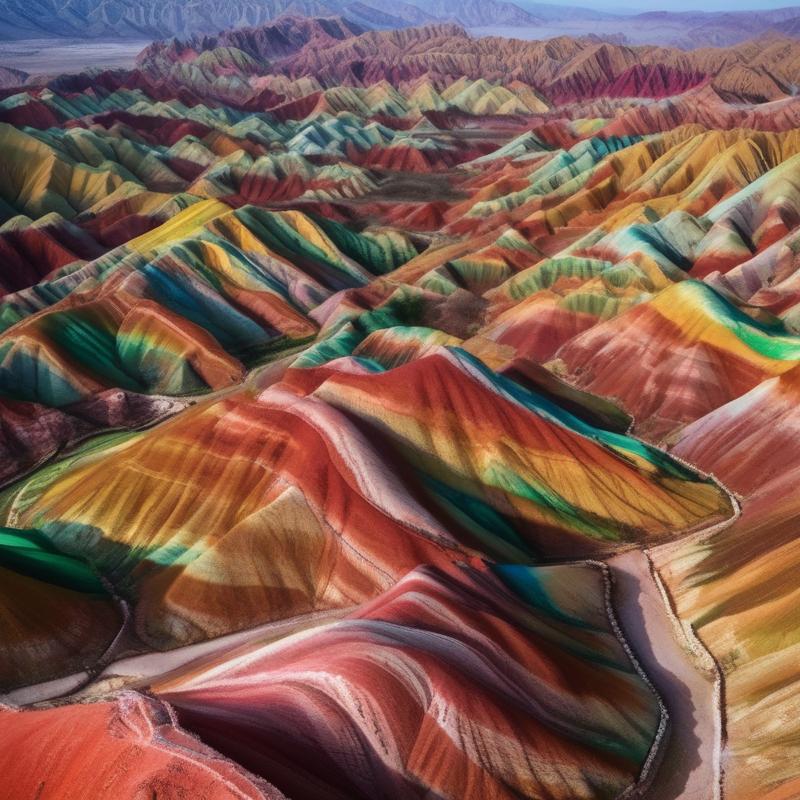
688 763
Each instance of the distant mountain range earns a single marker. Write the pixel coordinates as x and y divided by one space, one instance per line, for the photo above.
335 52
157 19
231 66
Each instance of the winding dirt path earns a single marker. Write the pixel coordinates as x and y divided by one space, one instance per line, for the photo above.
137 670
689 757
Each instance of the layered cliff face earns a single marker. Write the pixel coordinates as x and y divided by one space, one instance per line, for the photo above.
402 414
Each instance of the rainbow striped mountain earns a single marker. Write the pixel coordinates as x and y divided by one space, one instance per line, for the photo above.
401 415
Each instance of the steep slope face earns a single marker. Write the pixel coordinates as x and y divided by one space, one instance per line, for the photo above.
35 182
691 353
32 250
177 311
479 465
425 660
718 441
123 747
58 617
739 588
